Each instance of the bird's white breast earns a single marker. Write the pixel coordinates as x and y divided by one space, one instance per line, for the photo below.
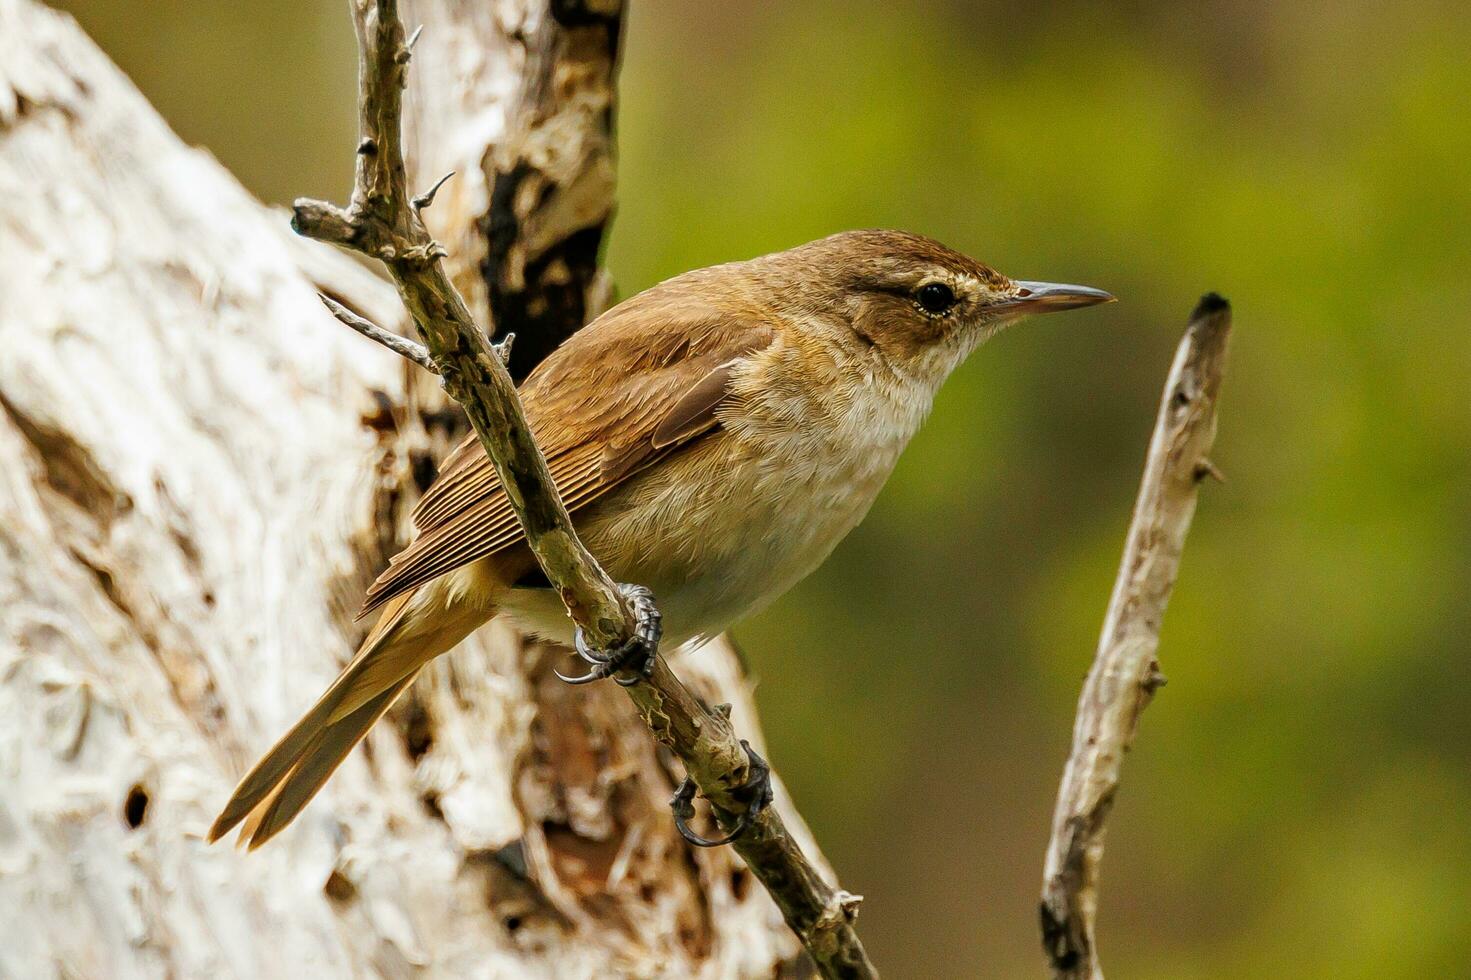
721 529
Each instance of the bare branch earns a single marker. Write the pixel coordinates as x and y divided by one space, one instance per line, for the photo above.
1125 673
402 346
382 222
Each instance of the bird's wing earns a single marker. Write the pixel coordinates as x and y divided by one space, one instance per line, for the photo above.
630 388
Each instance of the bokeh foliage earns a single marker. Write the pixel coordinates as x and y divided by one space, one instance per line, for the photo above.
1296 805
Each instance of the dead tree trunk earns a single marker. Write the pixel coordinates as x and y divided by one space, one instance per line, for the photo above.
200 471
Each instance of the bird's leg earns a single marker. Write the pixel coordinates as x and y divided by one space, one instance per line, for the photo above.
755 793
638 654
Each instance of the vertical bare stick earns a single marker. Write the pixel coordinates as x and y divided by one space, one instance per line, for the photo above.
1125 673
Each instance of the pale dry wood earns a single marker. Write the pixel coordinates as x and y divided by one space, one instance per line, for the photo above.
381 222
1125 672
199 474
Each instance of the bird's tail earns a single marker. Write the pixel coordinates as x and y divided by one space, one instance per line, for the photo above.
284 781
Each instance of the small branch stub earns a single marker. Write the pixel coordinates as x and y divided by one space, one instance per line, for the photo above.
1125 673
427 198
503 346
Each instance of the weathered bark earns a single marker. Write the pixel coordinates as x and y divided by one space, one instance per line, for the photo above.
199 472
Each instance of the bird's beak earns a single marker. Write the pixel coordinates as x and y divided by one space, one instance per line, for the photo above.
1049 297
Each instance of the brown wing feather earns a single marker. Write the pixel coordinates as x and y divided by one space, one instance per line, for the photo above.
638 383
695 411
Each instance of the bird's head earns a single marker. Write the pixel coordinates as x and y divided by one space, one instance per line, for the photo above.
920 305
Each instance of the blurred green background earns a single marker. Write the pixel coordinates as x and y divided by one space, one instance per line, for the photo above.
1297 803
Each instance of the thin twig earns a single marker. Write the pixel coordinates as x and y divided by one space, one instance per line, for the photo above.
402 346
382 222
1125 673
424 200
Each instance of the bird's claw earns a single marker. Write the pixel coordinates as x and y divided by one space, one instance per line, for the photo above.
755 792
638 654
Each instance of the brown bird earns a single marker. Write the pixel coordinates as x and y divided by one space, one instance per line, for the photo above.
715 437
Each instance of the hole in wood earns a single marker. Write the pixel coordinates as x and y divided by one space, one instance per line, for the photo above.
135 807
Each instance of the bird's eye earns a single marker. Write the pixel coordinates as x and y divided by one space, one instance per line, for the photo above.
935 298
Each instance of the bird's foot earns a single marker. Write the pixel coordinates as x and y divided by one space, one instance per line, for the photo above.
637 655
755 793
